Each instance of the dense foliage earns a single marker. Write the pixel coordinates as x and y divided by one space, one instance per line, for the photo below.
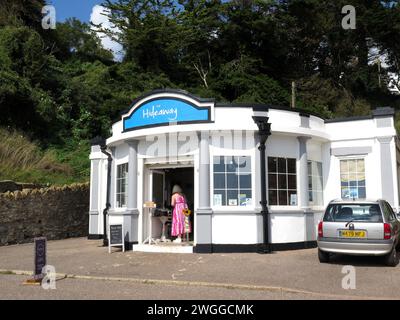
61 87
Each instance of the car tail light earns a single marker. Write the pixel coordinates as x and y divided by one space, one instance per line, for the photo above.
320 230
387 231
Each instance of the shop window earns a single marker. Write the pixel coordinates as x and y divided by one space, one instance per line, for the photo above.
352 179
232 181
315 184
122 184
282 183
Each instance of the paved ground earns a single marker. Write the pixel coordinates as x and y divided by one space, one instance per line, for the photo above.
92 273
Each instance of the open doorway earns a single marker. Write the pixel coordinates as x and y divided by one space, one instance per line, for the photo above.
163 180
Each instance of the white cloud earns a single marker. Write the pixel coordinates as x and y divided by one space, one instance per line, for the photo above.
97 17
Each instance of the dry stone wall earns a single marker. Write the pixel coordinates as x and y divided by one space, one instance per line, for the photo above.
55 213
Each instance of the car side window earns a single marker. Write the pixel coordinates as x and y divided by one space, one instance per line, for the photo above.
388 212
391 211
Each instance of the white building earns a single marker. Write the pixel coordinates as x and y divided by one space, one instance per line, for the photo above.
212 151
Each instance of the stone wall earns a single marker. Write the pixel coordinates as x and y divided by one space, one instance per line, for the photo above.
55 213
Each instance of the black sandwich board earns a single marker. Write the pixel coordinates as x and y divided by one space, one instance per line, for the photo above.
116 237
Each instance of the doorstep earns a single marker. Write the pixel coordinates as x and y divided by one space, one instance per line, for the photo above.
167 247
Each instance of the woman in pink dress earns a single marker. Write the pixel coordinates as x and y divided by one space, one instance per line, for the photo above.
178 202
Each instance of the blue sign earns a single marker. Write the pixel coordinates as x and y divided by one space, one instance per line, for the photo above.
165 111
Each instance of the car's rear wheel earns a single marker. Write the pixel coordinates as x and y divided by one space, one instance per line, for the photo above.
323 256
392 258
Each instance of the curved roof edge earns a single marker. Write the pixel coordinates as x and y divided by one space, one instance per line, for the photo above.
378 112
165 90
266 107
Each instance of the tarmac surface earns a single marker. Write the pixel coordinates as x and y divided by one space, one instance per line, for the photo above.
86 270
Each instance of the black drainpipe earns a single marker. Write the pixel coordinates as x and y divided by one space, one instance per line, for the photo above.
103 148
264 131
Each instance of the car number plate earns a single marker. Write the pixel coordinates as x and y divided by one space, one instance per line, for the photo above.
353 234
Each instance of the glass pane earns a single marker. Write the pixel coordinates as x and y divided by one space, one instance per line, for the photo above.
272 165
355 212
219 198
232 197
344 179
310 196
244 164
126 170
283 197
360 165
292 181
219 180
282 183
291 165
344 167
231 164
245 181
361 179
352 165
245 197
272 181
292 197
353 193
232 181
273 197
309 183
309 167
352 179
362 192
219 164
345 193
282 165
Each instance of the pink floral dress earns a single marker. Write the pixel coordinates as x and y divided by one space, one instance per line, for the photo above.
178 218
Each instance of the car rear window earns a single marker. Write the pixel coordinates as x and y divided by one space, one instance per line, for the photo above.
353 212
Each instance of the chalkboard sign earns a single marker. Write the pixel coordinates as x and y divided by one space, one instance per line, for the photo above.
116 236
40 256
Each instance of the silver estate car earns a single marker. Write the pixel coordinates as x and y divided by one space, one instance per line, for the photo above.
359 227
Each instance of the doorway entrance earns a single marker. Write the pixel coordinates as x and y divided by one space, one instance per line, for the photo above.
161 183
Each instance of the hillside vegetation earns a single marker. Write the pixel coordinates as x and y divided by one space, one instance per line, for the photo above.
23 160
60 87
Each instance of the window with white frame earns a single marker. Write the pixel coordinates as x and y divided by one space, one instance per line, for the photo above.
282 183
232 181
122 184
352 178
315 184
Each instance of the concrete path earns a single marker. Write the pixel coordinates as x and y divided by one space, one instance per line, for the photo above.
93 273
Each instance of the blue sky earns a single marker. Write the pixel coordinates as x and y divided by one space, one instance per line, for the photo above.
87 10
80 9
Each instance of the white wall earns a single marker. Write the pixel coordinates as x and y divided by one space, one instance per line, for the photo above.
282 146
287 227
236 229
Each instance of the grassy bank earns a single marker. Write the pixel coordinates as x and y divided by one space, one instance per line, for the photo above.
24 161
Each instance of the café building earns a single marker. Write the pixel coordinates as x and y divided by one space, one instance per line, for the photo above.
256 177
